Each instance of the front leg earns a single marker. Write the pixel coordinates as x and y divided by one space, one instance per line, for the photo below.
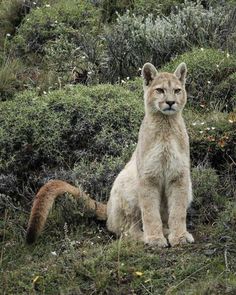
149 200
179 195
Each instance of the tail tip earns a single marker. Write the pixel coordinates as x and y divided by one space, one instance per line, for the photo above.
30 236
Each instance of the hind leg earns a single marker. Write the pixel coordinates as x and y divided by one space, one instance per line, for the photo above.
115 220
135 234
124 216
125 223
134 225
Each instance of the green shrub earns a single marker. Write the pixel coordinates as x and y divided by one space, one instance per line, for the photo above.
85 135
11 72
212 138
135 85
227 36
49 22
109 9
142 7
227 221
64 54
138 7
58 37
224 93
98 176
134 40
61 36
11 14
59 130
207 201
208 72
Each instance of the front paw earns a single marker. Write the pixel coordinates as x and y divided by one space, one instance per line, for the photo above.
160 242
180 239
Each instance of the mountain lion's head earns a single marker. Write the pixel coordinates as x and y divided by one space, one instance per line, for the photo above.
164 92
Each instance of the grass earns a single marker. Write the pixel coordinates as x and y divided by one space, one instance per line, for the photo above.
86 259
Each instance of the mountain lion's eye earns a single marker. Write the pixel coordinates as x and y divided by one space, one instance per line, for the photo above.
177 91
159 90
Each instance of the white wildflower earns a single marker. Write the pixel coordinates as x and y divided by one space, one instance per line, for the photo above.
54 253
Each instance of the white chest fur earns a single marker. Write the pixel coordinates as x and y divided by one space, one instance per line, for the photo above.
163 160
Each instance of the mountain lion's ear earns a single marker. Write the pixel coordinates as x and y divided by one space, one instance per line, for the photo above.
148 73
181 72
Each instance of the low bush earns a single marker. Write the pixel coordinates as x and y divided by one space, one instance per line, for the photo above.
98 176
11 15
224 93
66 128
212 138
11 72
85 135
226 222
211 74
163 7
57 37
134 40
207 201
50 21
110 9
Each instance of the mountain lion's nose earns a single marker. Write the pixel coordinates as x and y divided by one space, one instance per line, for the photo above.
170 103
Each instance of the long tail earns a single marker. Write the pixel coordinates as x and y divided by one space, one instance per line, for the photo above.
45 199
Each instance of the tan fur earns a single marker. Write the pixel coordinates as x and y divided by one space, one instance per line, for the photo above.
150 196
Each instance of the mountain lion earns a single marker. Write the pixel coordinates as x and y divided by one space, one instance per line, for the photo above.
150 196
